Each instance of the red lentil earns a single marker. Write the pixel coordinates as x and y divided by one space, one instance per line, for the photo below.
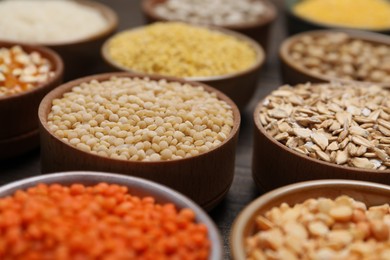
96 222
21 71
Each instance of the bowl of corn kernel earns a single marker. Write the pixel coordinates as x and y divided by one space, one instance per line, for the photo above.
177 133
95 215
325 219
252 18
226 60
332 55
369 15
27 74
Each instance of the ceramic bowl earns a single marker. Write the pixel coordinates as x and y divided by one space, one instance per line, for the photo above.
292 73
205 178
18 112
369 193
240 86
275 165
258 30
136 186
296 24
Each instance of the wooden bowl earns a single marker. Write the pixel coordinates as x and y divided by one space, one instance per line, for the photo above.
205 178
136 186
296 24
275 165
292 73
239 86
258 30
18 112
369 193
81 57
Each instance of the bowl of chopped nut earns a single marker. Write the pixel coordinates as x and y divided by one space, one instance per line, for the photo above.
252 18
27 74
325 219
177 133
329 55
306 15
103 216
322 131
223 59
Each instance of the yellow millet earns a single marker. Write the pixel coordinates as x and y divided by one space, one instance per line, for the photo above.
139 119
181 50
368 14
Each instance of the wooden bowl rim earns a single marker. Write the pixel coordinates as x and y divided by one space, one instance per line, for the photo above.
108 14
158 191
259 61
244 217
346 169
59 91
53 57
269 16
290 11
371 37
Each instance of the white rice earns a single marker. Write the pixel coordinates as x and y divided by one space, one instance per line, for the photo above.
48 21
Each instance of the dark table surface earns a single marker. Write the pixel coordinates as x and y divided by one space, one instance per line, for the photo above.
243 189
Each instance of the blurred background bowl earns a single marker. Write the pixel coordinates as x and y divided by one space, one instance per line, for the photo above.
275 165
82 57
258 30
205 178
18 112
244 226
137 187
296 24
239 86
293 73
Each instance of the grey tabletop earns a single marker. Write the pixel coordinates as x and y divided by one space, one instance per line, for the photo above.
243 189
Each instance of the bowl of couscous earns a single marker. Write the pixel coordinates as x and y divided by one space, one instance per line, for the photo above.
306 15
223 59
181 134
93 215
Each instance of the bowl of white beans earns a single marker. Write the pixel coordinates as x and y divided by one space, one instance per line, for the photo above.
252 18
177 133
75 29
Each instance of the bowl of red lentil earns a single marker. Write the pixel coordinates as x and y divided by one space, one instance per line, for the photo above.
324 219
252 18
331 55
223 59
93 215
321 131
177 133
27 74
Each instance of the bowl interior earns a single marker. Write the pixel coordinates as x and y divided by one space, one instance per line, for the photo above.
260 56
137 186
373 38
369 193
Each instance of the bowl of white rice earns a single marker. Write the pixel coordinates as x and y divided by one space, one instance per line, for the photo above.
75 29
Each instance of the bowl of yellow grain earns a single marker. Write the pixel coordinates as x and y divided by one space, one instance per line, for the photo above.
370 15
225 60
